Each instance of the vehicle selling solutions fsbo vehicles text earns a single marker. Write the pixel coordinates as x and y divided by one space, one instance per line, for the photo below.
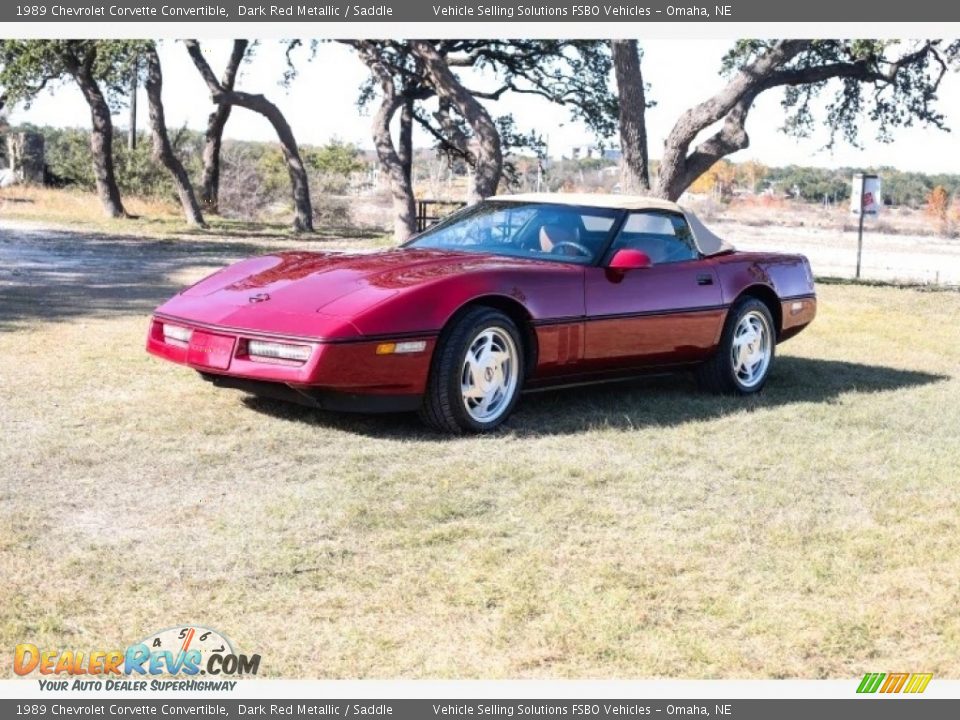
454 11
511 11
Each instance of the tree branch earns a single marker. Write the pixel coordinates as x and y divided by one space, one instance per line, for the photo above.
203 67
680 166
233 64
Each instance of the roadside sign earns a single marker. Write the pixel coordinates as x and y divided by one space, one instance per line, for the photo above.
865 194
865 199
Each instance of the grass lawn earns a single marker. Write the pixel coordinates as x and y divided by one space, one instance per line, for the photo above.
635 530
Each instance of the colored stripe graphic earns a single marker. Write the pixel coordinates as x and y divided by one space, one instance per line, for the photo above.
918 682
894 682
870 682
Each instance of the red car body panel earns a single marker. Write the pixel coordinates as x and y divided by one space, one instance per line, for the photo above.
581 321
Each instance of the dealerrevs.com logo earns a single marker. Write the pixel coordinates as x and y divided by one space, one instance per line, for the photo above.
171 659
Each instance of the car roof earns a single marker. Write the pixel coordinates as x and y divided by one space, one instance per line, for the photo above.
600 200
707 241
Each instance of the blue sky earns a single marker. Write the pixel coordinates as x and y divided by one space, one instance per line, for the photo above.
320 104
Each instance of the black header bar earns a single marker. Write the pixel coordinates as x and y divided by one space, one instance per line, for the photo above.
506 709
466 11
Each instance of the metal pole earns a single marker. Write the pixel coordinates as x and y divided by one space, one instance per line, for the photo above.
132 130
863 185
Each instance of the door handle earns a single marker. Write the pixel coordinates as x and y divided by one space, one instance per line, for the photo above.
704 279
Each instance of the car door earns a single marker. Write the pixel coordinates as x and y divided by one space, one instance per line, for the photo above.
668 313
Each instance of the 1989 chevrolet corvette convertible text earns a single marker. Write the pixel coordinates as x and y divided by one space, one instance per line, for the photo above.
513 293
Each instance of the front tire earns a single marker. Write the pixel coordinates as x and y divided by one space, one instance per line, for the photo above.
742 362
476 375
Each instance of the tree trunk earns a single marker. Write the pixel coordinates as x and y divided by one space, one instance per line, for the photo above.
396 161
213 141
488 167
405 140
635 167
396 164
213 138
404 202
303 220
101 142
162 150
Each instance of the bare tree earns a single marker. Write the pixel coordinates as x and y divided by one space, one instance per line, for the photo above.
213 137
162 149
258 103
632 105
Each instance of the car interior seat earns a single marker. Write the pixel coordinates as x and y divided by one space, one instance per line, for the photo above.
552 234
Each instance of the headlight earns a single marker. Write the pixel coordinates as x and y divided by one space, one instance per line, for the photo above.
278 351
176 333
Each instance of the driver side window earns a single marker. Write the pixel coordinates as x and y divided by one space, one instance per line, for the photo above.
665 237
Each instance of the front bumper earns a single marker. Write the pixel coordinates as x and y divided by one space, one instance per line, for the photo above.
336 375
318 397
796 313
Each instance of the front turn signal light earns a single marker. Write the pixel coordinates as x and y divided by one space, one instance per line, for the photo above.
399 348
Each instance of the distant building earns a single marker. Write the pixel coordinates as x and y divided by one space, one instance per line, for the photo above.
590 152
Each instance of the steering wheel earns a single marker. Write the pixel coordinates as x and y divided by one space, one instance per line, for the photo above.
575 245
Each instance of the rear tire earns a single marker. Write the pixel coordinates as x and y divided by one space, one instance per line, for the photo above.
476 375
742 362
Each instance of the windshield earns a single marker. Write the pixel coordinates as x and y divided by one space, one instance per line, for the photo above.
544 231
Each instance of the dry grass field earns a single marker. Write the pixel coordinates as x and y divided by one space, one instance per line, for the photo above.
638 530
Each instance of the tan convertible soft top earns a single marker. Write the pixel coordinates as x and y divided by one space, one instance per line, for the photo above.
707 241
600 200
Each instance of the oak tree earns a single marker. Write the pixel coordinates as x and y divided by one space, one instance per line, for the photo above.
407 74
893 83
100 68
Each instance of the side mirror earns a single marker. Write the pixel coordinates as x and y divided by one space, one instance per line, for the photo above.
628 259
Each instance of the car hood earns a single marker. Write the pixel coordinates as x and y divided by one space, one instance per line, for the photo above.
317 294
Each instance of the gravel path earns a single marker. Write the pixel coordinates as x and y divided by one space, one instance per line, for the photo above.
55 273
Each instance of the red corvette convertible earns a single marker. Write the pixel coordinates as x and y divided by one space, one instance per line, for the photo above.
514 293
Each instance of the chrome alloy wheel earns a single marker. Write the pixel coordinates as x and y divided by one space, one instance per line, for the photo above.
752 349
488 379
